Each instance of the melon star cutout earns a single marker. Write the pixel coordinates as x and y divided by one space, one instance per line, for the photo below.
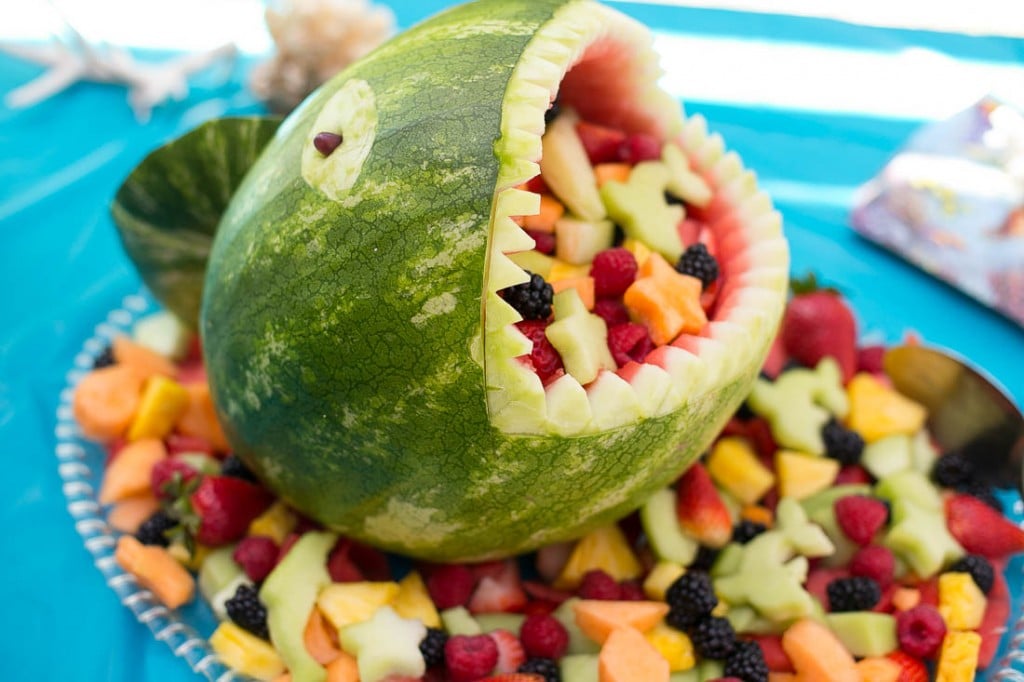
71 59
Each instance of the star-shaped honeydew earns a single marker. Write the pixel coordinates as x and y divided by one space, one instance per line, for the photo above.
386 644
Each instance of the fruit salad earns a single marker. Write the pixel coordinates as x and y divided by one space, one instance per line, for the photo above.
823 536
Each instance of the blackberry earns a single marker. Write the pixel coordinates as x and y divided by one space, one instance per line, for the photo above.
713 637
841 443
690 598
853 594
697 262
744 413
232 466
247 611
673 199
545 667
552 113
705 558
746 662
980 569
104 359
953 470
532 299
432 647
746 530
153 530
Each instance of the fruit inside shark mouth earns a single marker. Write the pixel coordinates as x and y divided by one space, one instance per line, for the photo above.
674 188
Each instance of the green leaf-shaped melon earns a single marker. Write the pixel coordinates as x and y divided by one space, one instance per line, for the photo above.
359 355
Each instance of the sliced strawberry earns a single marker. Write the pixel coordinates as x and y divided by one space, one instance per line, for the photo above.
544 592
820 324
511 654
993 623
537 184
502 593
774 655
600 142
340 565
226 506
870 359
852 473
911 669
699 507
980 529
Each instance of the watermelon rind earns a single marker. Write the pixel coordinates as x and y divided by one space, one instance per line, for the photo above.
359 354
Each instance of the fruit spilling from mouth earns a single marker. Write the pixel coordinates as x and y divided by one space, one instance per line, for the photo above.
752 563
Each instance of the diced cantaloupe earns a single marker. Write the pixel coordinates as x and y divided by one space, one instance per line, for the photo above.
603 172
161 406
666 301
200 418
128 474
105 401
878 669
551 209
627 656
344 668
605 548
817 654
128 514
584 286
757 513
144 361
597 618
156 570
320 638
905 598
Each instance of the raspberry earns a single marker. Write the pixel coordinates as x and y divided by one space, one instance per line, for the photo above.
639 147
432 646
841 443
713 637
532 299
920 630
690 598
631 590
613 312
697 262
613 271
546 360
470 657
979 568
597 584
860 517
169 478
544 242
247 611
746 662
874 562
545 667
257 555
853 594
629 342
543 637
450 585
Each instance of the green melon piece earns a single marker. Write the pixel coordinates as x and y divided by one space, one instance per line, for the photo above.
888 455
864 633
359 355
457 620
580 337
385 646
566 169
661 525
579 668
639 206
489 622
580 240
579 643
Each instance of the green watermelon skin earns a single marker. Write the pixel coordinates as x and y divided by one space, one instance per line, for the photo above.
343 335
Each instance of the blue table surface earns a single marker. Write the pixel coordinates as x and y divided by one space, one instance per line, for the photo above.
62 269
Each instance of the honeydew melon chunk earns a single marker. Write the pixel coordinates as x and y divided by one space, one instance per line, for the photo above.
864 633
579 668
386 645
919 537
457 620
163 332
887 455
218 571
913 486
922 453
579 643
218 600
578 241
566 168
580 337
639 206
683 182
489 622
290 593
661 525
568 405
613 401
534 261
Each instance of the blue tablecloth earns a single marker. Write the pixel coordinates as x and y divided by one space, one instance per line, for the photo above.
62 269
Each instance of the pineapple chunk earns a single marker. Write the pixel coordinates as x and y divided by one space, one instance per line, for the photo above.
246 653
734 466
803 475
275 523
413 601
163 402
347 603
958 658
961 602
605 548
660 578
877 411
673 645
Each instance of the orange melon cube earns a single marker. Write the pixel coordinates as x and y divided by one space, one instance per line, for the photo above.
627 656
128 514
584 286
143 360
106 400
344 668
667 302
817 654
879 669
551 209
320 638
129 472
598 618
619 172
200 418
156 570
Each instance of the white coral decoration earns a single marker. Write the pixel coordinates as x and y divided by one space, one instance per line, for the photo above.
316 39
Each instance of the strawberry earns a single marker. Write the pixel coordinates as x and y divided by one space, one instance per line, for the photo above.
639 147
544 592
450 585
860 517
774 655
776 359
340 566
600 142
699 507
172 477
993 623
911 669
224 507
178 443
981 529
502 592
257 555
511 654
817 324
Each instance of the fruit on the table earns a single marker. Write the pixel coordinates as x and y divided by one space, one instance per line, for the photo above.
606 549
674 646
661 524
347 603
128 474
106 400
161 406
888 455
961 603
385 644
598 618
289 593
981 529
958 658
817 654
639 206
413 601
377 381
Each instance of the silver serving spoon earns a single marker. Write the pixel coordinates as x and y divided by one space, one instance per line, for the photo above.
967 412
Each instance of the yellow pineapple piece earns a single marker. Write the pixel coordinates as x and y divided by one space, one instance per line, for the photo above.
877 411
661 578
958 658
639 250
734 466
163 402
605 548
275 523
673 645
347 603
961 602
191 560
561 270
413 601
803 475
245 652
